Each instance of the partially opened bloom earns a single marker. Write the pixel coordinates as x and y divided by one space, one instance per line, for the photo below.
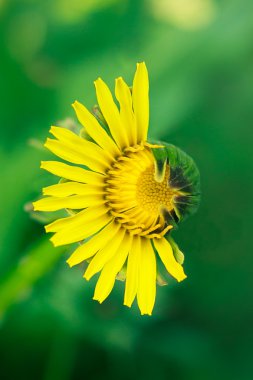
124 195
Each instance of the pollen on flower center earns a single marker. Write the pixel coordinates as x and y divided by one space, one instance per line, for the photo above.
133 195
153 195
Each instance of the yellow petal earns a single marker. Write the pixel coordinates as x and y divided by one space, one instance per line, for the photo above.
104 255
123 94
94 129
72 172
84 146
68 154
72 148
71 221
110 113
147 278
109 272
74 221
97 242
141 101
165 252
73 202
81 231
72 188
132 276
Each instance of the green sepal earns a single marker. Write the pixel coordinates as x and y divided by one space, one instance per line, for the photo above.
160 163
184 174
98 115
184 178
160 280
178 254
43 217
170 217
96 111
121 276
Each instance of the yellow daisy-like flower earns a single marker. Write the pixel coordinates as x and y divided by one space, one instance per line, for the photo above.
126 195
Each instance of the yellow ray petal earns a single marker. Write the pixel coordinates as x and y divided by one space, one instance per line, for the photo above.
97 242
72 188
123 94
71 221
109 272
110 113
132 276
72 153
72 172
141 101
73 202
147 278
104 255
81 230
94 129
84 146
165 252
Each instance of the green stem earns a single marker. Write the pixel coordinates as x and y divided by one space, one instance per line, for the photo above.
37 261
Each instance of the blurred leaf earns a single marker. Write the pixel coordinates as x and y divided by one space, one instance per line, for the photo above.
33 265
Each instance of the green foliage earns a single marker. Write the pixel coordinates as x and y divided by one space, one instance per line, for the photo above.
201 81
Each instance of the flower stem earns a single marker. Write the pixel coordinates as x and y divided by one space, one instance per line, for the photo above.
37 261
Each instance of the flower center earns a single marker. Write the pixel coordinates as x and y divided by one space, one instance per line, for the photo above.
152 195
134 197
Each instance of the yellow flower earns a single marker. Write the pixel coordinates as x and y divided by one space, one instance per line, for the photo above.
122 193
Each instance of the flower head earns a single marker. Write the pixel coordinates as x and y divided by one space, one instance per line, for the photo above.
125 194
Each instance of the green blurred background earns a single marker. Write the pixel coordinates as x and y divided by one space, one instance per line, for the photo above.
200 59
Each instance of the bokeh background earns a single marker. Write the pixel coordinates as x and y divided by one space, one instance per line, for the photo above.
200 59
